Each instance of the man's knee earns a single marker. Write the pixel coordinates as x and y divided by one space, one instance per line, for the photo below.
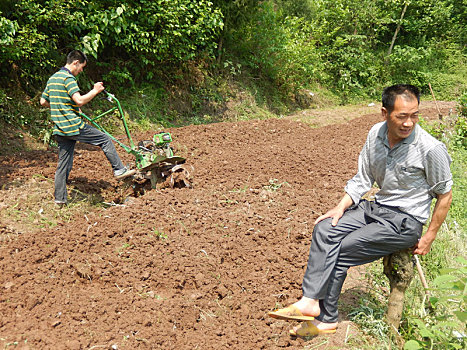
320 225
322 229
107 145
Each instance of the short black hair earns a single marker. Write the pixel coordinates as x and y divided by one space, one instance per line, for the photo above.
390 94
76 55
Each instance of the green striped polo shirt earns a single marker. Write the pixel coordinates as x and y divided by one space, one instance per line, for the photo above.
63 110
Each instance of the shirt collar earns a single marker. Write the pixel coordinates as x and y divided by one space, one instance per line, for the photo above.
411 139
65 68
383 134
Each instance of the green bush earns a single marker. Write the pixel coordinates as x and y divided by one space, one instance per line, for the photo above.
446 327
132 36
279 48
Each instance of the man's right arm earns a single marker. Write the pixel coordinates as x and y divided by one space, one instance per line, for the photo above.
81 100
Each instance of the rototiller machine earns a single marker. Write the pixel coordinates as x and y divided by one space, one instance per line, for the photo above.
155 159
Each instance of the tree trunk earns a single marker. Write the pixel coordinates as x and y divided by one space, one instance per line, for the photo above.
397 30
399 269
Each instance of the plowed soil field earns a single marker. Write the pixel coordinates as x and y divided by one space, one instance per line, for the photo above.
182 268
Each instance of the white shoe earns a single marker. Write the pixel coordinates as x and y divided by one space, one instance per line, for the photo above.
60 204
123 173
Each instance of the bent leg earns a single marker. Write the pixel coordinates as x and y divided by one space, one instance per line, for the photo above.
324 251
375 240
96 137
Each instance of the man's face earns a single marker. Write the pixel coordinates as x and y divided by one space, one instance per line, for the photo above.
402 120
77 67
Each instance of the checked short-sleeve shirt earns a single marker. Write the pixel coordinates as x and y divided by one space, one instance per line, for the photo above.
409 175
63 110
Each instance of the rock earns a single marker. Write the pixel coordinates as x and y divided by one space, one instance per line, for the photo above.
8 285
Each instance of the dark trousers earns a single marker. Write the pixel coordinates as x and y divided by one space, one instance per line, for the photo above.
364 233
66 149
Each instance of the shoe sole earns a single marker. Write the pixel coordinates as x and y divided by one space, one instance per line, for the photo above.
290 317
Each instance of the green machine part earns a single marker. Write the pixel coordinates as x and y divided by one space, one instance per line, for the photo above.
162 139
143 159
155 156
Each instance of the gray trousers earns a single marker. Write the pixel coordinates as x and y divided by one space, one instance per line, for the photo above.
364 233
66 149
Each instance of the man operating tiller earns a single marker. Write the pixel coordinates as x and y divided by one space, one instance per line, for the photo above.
62 96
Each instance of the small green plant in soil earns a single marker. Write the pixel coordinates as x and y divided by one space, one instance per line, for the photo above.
274 185
159 234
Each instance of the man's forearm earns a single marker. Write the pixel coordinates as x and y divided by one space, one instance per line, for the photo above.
443 203
337 212
81 100
345 202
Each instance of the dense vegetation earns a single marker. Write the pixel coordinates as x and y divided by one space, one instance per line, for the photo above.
278 51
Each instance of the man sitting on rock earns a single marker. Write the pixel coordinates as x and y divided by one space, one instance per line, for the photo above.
410 168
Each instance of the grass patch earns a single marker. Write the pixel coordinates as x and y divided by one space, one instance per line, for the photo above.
29 206
148 106
369 315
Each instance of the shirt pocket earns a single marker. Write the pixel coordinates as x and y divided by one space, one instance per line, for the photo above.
411 177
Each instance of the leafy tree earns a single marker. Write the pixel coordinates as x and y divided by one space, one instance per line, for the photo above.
339 44
134 34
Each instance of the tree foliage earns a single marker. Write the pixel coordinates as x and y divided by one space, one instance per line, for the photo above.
345 43
341 45
138 34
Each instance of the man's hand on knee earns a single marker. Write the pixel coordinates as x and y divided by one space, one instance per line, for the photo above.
337 212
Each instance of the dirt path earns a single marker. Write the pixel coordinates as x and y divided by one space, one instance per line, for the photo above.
175 268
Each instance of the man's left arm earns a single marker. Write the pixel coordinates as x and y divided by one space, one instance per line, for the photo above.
443 203
81 100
